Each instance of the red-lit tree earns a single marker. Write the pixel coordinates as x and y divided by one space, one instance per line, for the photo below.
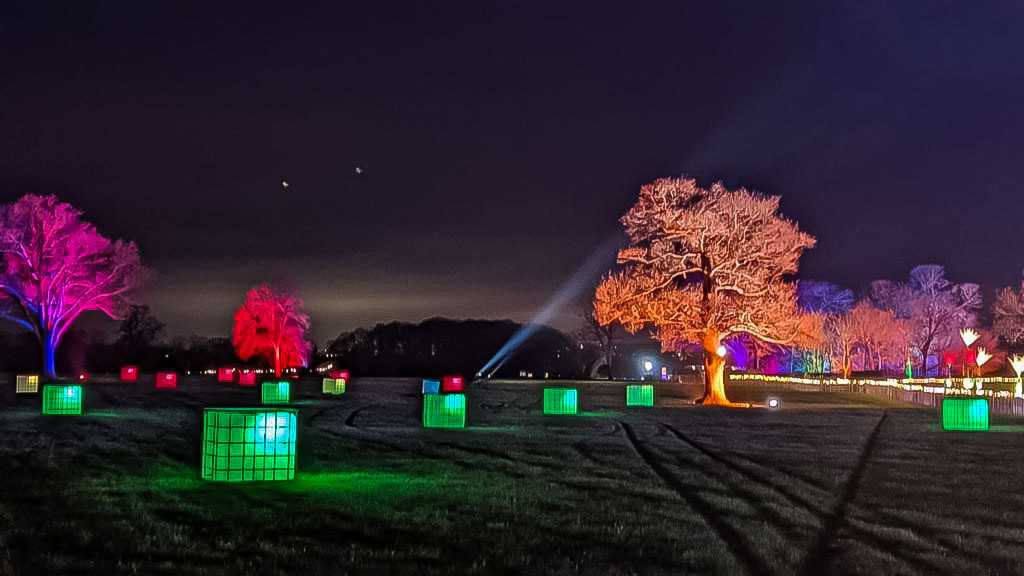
272 325
57 266
704 264
878 335
1008 315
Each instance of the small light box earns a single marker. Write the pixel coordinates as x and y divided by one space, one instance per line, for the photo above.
277 392
226 375
63 399
431 386
343 374
334 386
247 378
561 401
249 444
774 403
965 414
452 383
129 373
444 410
26 384
638 395
166 380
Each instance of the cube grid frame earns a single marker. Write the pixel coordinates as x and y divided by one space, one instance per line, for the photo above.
129 373
444 410
246 378
249 444
335 386
226 374
431 386
965 414
26 384
63 399
560 401
640 395
276 392
166 380
453 383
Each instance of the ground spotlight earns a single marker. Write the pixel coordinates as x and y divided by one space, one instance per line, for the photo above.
774 403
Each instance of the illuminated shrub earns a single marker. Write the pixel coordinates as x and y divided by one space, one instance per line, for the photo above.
452 383
226 375
965 414
63 399
431 386
334 386
247 378
129 373
277 392
166 380
444 411
26 384
561 401
640 395
249 444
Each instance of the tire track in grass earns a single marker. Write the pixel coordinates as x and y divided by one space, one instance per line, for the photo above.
816 561
734 541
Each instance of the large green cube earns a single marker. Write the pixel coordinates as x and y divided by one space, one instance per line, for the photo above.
63 399
965 414
561 401
640 395
444 410
249 444
334 386
278 392
26 384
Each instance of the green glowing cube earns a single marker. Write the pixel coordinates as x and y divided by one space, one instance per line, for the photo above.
249 444
965 414
276 392
63 399
561 401
640 395
334 386
444 410
26 384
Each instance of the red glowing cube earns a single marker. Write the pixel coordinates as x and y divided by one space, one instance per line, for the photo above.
166 380
226 375
452 384
247 378
82 376
129 373
339 375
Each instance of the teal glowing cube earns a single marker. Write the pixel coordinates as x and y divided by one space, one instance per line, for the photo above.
444 410
249 444
276 392
431 386
561 401
640 395
965 414
334 386
66 400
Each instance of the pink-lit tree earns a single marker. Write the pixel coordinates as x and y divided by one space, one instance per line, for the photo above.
1008 315
272 325
705 264
57 266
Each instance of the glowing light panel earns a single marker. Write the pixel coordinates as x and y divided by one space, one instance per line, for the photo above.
166 380
249 444
225 374
26 384
59 399
335 386
444 411
129 373
247 378
965 414
561 401
452 383
278 392
431 386
640 395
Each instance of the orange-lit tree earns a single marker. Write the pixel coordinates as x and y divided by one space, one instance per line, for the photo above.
704 264
272 325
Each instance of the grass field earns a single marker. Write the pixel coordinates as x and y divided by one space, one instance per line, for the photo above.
829 483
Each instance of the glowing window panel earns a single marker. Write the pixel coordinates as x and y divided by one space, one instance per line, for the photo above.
63 399
247 378
334 386
166 380
129 373
431 386
278 392
26 384
561 401
226 375
452 383
965 414
249 444
444 411
640 395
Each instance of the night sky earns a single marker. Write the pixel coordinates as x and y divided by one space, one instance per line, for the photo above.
500 142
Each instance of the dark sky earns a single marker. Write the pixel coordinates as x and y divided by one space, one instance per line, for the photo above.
500 142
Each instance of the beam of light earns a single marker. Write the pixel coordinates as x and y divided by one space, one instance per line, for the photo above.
969 336
568 292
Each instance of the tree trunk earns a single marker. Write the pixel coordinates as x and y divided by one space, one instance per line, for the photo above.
277 361
714 374
49 342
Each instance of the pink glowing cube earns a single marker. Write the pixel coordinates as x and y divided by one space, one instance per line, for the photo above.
452 383
339 374
247 378
129 373
226 375
166 380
